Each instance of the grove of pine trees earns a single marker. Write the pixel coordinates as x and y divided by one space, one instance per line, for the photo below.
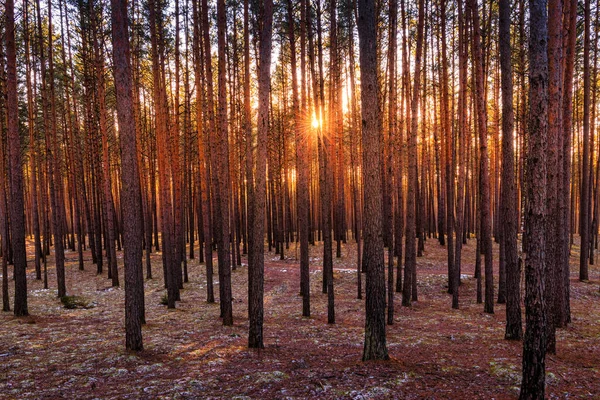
386 154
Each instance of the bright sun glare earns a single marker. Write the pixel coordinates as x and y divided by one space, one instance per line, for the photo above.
315 122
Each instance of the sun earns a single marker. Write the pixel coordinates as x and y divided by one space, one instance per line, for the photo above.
316 123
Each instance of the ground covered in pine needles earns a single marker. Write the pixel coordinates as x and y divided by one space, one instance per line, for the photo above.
436 352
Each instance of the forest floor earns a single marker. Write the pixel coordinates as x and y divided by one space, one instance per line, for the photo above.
436 352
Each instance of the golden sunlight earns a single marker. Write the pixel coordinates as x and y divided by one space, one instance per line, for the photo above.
316 123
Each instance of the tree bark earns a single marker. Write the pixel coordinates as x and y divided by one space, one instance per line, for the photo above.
222 198
375 347
412 184
584 196
130 180
551 278
509 204
534 344
301 161
569 26
484 204
256 264
17 211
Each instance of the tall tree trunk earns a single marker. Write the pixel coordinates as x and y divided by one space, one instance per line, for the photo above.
392 132
584 197
569 26
412 184
106 173
203 162
161 121
375 347
4 211
301 159
222 190
249 150
484 204
212 132
256 264
509 206
551 277
17 211
176 166
447 133
130 180
462 156
32 146
534 344
53 157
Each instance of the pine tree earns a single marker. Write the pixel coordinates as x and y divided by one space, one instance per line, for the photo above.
130 181
375 347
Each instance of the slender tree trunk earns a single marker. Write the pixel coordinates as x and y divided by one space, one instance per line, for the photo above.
203 162
462 156
256 265
301 158
411 197
4 215
569 27
161 121
222 199
209 106
176 166
447 133
17 211
551 278
32 146
106 173
249 152
509 206
392 132
53 158
584 198
485 232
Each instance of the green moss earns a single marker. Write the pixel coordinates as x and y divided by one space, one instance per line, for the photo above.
74 302
504 371
269 377
164 300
